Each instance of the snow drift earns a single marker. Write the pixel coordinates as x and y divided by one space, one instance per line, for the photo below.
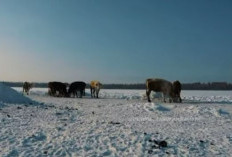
11 96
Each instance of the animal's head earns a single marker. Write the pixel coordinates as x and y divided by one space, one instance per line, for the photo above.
176 91
177 87
176 84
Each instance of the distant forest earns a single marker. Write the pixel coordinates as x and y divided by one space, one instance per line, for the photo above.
185 86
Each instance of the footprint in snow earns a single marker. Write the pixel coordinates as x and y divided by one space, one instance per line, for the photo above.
162 108
37 137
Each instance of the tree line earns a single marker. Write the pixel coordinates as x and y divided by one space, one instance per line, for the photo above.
185 86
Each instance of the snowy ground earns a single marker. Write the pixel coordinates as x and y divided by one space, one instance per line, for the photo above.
120 123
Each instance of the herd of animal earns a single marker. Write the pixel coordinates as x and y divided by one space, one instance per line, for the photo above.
59 89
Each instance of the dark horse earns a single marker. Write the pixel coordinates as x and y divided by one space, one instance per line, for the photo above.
75 87
57 89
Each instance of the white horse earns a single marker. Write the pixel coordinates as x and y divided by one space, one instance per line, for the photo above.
95 87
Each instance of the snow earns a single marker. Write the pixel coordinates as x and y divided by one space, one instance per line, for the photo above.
188 96
8 95
120 123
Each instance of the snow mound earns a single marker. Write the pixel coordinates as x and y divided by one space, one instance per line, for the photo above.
9 95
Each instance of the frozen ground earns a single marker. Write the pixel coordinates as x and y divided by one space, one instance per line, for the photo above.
120 123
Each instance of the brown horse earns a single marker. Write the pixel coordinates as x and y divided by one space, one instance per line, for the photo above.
159 85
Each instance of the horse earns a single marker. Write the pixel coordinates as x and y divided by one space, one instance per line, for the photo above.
58 89
77 86
95 87
26 87
159 85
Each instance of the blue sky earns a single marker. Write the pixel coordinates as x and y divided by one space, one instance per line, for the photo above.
115 41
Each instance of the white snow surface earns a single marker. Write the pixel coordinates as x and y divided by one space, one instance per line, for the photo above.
189 96
119 123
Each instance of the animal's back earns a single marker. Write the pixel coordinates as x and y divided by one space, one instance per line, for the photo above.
77 86
94 83
157 84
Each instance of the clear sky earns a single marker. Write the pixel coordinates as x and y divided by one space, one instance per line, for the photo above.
115 41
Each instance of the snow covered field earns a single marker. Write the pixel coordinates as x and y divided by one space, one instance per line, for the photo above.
194 96
120 123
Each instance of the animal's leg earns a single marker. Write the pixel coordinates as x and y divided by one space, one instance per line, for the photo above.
81 92
55 93
171 99
76 94
52 92
94 93
148 92
91 91
49 92
164 95
97 91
